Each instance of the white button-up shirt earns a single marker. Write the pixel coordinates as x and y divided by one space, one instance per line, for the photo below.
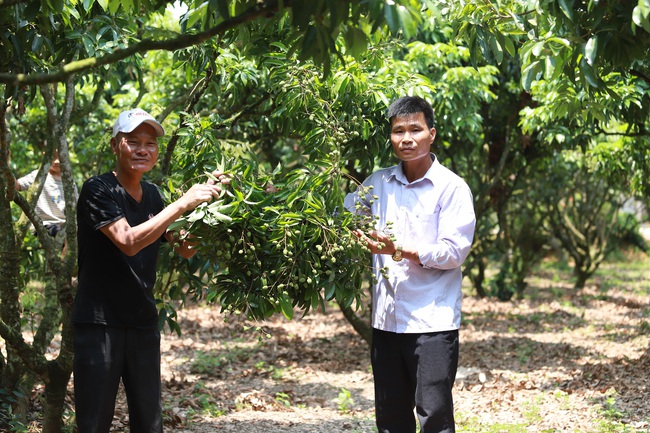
435 213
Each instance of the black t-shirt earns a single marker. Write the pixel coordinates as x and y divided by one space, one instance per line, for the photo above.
115 289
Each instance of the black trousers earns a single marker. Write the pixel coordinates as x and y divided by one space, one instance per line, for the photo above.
414 371
103 356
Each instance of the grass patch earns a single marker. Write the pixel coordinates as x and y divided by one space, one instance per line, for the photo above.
208 362
344 401
272 371
473 425
612 416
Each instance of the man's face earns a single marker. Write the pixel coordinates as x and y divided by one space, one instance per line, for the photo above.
55 167
136 151
411 137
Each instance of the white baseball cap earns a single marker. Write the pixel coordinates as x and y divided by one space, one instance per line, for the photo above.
128 120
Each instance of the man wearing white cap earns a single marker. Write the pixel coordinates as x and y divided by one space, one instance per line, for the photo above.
121 221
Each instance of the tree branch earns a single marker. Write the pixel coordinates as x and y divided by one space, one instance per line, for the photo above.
34 360
195 95
143 46
5 169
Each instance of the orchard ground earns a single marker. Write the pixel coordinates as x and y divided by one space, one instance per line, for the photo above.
559 360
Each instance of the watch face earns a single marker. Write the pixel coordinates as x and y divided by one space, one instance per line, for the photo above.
397 255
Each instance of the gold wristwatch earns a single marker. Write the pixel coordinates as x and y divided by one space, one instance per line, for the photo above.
397 255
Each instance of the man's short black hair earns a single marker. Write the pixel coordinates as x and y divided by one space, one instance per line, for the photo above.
411 105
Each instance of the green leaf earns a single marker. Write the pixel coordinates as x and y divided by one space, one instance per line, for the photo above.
37 43
496 49
538 48
340 80
114 6
89 45
356 42
530 74
196 215
315 299
391 17
329 291
591 49
549 66
567 8
409 22
194 15
286 307
221 217
57 5
176 225
641 13
588 73
314 204
509 45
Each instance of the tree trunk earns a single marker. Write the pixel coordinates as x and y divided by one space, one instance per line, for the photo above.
581 279
362 327
60 369
12 368
478 277
55 393
51 317
24 363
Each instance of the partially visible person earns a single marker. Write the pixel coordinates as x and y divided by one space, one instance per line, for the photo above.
424 228
50 206
122 220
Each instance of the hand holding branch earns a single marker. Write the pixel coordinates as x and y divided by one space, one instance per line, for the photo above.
377 242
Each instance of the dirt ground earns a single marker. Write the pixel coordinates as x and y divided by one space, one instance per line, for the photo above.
558 361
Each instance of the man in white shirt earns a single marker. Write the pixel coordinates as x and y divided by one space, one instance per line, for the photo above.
50 206
422 236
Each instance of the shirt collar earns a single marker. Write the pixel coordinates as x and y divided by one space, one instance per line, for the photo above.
398 172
